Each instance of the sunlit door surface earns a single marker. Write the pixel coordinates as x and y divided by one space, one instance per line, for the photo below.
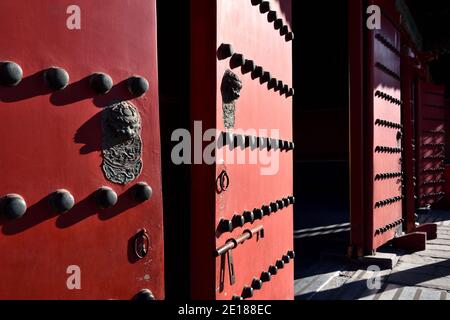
384 109
242 85
61 144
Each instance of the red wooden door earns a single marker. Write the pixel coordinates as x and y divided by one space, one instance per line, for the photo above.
431 143
242 85
79 139
384 143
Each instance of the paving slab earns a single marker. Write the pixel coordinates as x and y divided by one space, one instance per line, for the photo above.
355 287
331 290
406 278
429 294
411 267
434 254
439 241
370 290
408 293
438 283
443 236
388 293
423 260
423 275
438 247
306 288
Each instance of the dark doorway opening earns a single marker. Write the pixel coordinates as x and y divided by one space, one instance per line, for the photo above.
174 68
321 129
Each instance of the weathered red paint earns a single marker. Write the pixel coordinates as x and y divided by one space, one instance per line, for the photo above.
52 140
240 24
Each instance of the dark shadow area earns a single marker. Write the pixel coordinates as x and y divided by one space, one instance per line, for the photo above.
312 249
174 70
132 257
88 207
74 92
325 196
434 216
118 92
35 215
81 211
440 70
321 128
90 135
28 88
125 202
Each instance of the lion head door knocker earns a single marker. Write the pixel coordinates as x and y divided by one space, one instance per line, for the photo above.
231 91
121 142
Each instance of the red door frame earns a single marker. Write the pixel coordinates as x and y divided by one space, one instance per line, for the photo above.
408 76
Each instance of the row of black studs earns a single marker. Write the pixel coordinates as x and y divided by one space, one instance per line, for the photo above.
248 217
434 182
387 44
234 140
434 170
272 16
14 206
388 124
389 227
386 176
56 78
433 195
388 71
266 276
389 201
434 145
381 149
226 51
388 97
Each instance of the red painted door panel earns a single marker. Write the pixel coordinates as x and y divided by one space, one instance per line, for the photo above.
432 115
247 26
385 108
52 140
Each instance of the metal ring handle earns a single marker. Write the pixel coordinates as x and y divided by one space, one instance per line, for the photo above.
223 182
142 235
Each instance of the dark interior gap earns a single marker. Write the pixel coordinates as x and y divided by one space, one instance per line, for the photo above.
321 123
174 70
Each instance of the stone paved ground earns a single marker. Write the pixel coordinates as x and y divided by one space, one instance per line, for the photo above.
422 275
